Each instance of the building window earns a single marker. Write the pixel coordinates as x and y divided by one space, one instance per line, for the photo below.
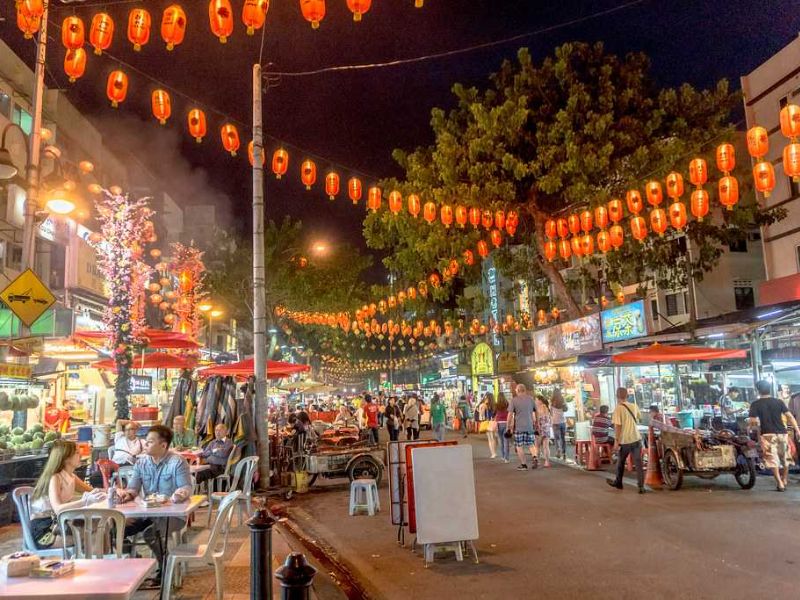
673 301
22 118
745 297
654 309
5 105
738 245
14 258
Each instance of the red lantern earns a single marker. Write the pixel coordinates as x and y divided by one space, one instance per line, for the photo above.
75 64
634 201
757 141
395 202
677 215
280 162
453 266
173 26
32 8
563 228
475 217
483 249
27 22
446 214
764 176
616 236
413 205
726 158
117 87
434 280
728 191
197 124
496 237
658 220
230 138
499 219
412 291
550 229
653 192
461 215
675 185
790 121
251 155
308 173
139 28
587 221
699 204
550 250
564 249
358 8
698 171
577 246
638 228
374 198
254 14
220 17
791 161
429 212
101 32
313 11
73 33
616 211
587 245
574 223
161 105
604 241
469 257
332 184
511 225
487 219
601 217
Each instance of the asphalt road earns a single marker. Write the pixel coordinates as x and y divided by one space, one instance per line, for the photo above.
563 533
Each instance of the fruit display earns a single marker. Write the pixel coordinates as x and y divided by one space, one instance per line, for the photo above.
21 441
18 402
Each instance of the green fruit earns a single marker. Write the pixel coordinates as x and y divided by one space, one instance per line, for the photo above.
37 444
50 436
4 402
33 401
37 427
14 402
38 435
4 429
27 437
17 440
48 444
18 431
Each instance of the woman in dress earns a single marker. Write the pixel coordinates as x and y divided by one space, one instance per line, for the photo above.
544 424
501 424
411 419
486 415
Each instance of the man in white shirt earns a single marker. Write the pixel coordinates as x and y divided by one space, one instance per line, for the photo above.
127 445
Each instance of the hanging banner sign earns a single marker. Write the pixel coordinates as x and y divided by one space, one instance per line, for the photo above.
624 322
482 360
565 340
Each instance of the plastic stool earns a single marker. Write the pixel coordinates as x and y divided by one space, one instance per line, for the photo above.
582 448
364 496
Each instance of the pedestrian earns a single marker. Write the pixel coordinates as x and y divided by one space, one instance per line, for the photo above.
371 411
559 422
521 423
438 418
767 412
501 423
394 418
543 424
627 439
411 419
463 414
488 423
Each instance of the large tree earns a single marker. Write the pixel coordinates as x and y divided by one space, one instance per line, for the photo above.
579 129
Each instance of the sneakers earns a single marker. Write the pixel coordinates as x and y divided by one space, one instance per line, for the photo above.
522 468
642 491
505 460
614 484
493 456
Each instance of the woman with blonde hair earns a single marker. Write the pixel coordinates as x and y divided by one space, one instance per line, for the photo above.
486 415
501 425
56 491
411 419
544 425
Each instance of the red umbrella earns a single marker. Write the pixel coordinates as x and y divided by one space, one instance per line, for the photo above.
156 360
675 354
245 368
154 338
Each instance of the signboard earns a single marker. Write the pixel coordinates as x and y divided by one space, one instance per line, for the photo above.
507 362
427 378
494 303
12 371
27 297
568 339
141 385
624 322
482 360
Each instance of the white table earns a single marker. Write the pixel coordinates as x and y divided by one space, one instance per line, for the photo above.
92 580
195 469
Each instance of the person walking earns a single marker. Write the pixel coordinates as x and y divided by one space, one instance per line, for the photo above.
501 425
411 419
544 425
557 418
394 418
438 418
486 413
627 439
463 413
371 412
767 412
522 411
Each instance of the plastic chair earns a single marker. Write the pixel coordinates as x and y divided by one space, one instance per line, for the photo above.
22 500
211 553
367 488
244 472
216 485
107 468
90 530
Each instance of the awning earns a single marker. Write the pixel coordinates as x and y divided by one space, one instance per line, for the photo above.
246 368
155 360
154 338
675 354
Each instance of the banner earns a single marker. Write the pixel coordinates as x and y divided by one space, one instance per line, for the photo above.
624 322
565 340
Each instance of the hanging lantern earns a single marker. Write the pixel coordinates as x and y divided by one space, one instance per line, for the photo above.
75 64
155 253
698 171
29 24
653 193
173 26
511 225
562 227
197 124
454 267
332 185
280 162
487 219
550 229
395 202
764 176
155 298
587 221
469 258
73 34
313 11
564 249
604 241
496 237
446 215
791 161
726 158
616 236
587 245
251 155
699 204
220 16
117 87
101 32
391 301
163 306
413 205
638 228
634 201
412 293
139 28
574 223
790 121
461 216
358 8
500 219
354 189
601 217
658 220
31 8
434 280
429 212
254 14
161 105
677 215
483 249
675 185
616 211
308 173
475 217
577 246
154 287
757 141
728 191
374 198
230 138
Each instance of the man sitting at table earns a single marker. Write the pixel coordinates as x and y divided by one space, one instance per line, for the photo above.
182 438
601 427
127 445
216 454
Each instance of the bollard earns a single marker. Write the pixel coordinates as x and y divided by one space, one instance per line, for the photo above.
296 577
260 525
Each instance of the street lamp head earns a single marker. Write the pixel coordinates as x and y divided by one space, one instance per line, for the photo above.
8 170
216 313
60 201
205 307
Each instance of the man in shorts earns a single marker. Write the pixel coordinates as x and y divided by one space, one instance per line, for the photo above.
521 411
768 413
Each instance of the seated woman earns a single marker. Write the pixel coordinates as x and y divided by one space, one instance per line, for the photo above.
58 489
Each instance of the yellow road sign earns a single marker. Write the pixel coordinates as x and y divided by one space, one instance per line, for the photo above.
27 297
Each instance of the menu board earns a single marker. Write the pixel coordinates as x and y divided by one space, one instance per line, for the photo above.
624 322
568 339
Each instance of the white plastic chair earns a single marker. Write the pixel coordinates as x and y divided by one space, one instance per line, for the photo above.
211 553
91 529
244 468
22 500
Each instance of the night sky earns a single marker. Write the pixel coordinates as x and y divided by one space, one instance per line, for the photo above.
355 120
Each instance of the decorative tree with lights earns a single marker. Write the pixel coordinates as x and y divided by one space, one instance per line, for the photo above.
188 268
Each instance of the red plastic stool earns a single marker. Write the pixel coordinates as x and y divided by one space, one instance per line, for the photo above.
106 468
582 449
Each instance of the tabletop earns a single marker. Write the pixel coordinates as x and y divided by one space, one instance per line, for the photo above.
194 469
105 579
134 509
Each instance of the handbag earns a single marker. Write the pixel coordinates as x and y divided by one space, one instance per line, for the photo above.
483 427
508 434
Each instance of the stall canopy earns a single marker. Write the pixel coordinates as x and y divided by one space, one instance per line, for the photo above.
675 354
246 368
156 360
154 338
